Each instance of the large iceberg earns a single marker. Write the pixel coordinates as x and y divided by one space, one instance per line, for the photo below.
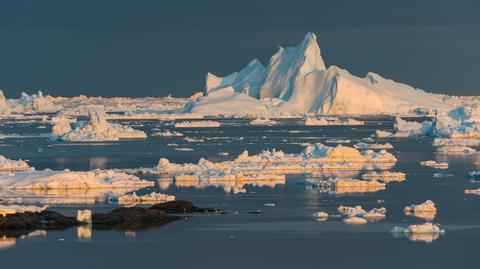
296 80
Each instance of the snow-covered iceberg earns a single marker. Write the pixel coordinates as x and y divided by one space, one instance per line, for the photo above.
50 179
12 165
296 80
98 129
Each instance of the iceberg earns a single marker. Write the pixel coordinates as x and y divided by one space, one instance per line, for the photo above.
435 164
197 124
297 81
98 129
363 146
331 121
385 176
426 210
134 199
14 209
48 179
12 165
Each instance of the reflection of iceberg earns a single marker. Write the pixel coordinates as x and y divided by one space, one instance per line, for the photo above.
84 232
97 162
426 238
231 184
7 242
67 187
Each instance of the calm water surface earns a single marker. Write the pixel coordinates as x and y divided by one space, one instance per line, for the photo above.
283 236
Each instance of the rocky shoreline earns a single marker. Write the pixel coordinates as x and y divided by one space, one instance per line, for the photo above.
15 225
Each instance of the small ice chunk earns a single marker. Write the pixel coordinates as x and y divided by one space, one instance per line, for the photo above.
435 164
355 220
321 215
84 216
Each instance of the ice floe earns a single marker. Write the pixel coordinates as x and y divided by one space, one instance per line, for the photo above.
426 210
357 215
385 176
321 215
197 124
452 150
331 121
263 121
168 133
435 164
13 209
427 232
363 146
475 191
133 199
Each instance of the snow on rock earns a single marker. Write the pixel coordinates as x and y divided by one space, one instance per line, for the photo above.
296 80
435 164
49 179
426 210
12 165
197 124
385 176
363 146
98 129
14 209
152 198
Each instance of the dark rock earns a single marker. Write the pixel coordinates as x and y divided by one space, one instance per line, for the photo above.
132 218
23 223
40 220
179 206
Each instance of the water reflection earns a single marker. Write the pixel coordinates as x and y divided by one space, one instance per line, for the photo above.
62 196
84 232
7 242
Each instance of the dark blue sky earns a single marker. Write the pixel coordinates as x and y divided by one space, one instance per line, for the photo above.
155 48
